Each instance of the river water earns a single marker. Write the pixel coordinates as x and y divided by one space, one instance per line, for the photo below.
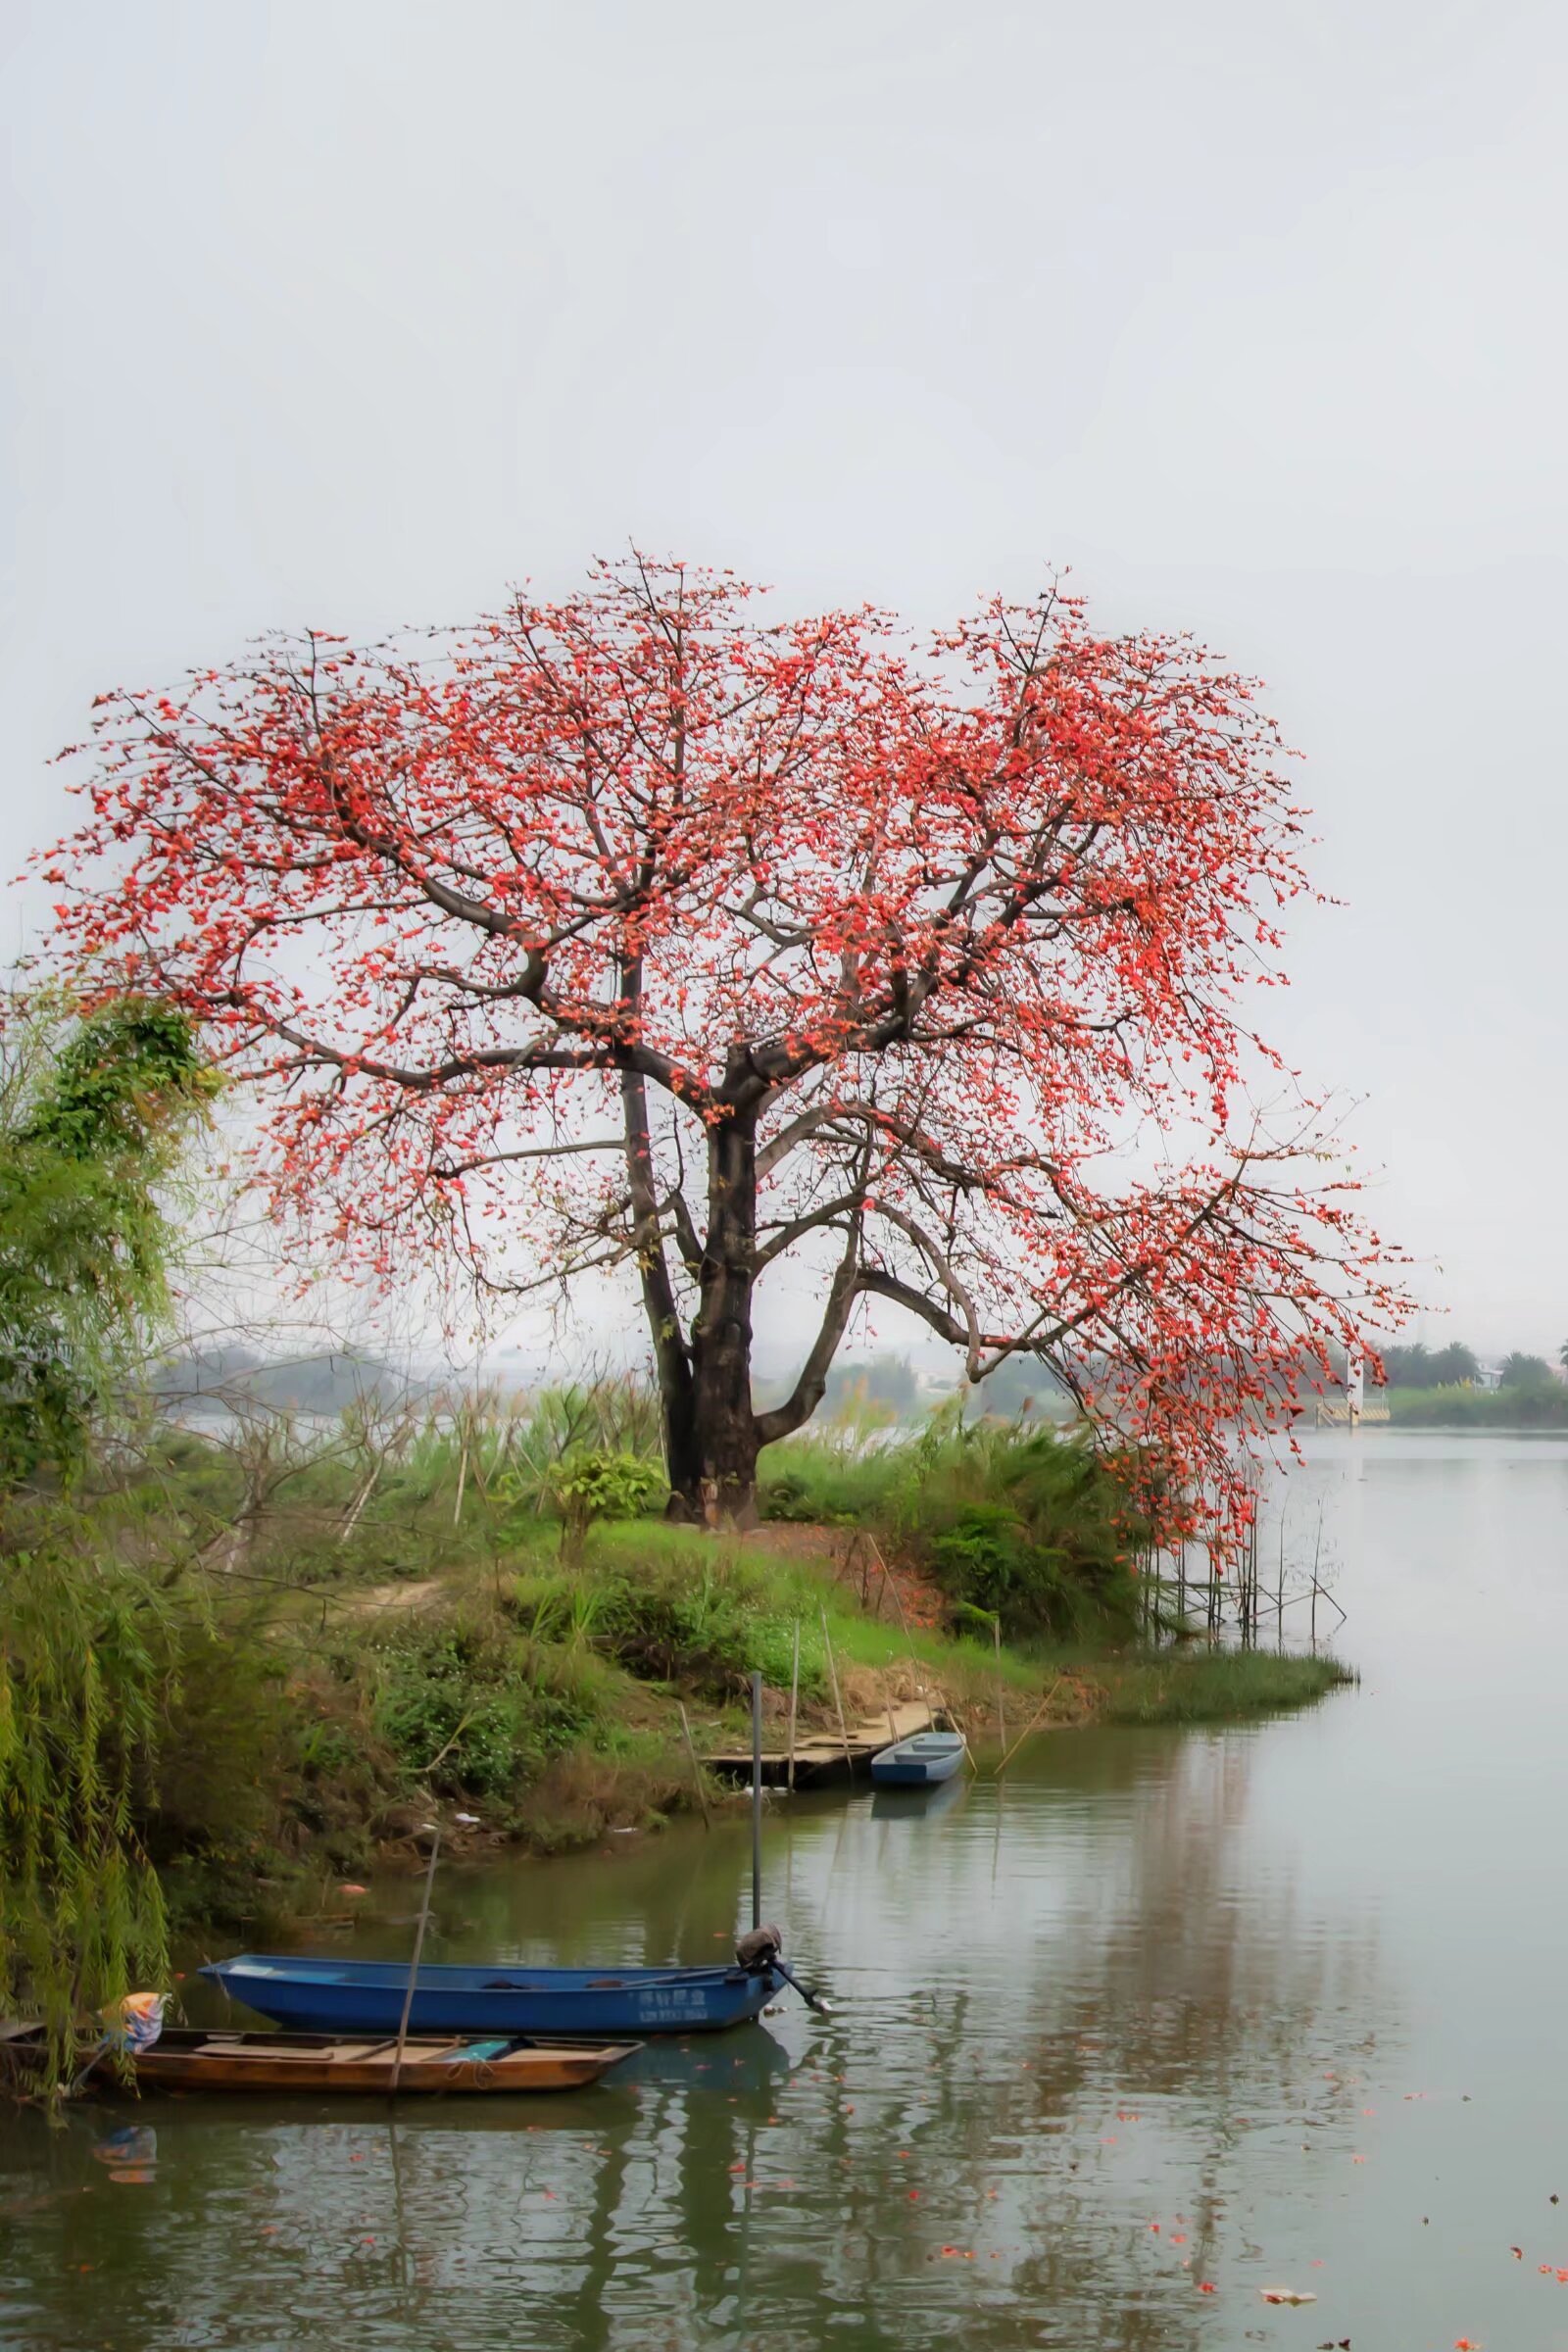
1167 2018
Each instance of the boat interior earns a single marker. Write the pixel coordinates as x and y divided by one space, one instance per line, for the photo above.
451 2048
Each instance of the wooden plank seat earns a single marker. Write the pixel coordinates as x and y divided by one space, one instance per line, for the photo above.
342 2053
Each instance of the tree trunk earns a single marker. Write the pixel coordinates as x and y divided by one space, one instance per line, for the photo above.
682 1460
671 1355
724 1434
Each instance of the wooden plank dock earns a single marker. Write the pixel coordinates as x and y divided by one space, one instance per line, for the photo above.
819 1756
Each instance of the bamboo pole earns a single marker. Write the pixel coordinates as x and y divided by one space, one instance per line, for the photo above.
696 1769
1002 1720
898 1597
418 1947
795 1701
360 1501
1028 1728
891 1582
833 1678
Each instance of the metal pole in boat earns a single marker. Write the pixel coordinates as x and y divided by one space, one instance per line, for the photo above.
434 1828
757 1800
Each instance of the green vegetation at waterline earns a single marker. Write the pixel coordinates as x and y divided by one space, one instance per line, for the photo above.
545 1694
1211 1686
354 1625
1442 1388
1524 1405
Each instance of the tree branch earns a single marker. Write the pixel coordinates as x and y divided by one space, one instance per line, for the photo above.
808 1391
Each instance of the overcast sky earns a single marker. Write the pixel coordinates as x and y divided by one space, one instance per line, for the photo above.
351 312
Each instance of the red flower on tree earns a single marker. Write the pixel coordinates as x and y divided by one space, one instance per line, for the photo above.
633 930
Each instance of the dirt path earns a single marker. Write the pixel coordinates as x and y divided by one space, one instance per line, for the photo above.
391 1596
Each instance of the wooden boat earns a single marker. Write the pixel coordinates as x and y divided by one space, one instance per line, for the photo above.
320 1995
185 2059
918 1763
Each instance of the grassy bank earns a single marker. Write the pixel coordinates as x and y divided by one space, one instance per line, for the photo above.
1524 1408
358 1626
315 1726
1204 1685
552 1708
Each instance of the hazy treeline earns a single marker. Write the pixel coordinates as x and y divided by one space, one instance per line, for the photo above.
1417 1367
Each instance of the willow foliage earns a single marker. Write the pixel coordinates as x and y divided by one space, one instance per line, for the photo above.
89 1658
94 1115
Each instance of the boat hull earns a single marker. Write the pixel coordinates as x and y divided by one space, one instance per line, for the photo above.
337 1996
184 2060
919 1763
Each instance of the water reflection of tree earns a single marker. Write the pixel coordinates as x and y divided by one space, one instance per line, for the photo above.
1115 1941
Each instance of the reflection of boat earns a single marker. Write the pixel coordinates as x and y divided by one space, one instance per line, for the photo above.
751 2063
336 1995
917 1763
186 2059
920 1803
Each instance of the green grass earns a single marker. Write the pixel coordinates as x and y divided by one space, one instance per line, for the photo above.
831 1480
1205 1686
788 1592
1543 1407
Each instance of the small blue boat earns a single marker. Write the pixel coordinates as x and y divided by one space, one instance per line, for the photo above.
927 1801
917 1763
335 1995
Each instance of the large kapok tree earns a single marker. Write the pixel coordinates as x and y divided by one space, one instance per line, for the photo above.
637 930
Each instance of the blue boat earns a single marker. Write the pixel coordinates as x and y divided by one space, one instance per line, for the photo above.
917 1763
927 1800
335 1995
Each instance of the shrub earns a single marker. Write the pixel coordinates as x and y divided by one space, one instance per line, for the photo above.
589 1485
1036 1531
227 1742
828 1482
474 1712
703 1618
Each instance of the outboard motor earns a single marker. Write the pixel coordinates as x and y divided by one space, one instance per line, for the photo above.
763 1949
760 1948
